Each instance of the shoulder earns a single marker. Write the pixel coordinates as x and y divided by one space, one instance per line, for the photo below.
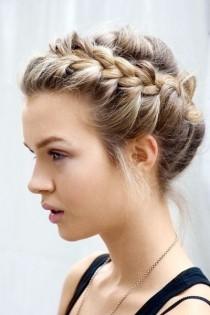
72 278
192 306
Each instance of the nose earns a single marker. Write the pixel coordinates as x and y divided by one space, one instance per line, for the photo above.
40 182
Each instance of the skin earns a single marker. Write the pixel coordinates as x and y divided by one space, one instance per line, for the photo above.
76 175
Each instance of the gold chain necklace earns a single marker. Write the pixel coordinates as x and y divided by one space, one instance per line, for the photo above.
137 283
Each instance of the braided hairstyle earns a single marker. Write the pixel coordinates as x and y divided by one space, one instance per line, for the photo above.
136 88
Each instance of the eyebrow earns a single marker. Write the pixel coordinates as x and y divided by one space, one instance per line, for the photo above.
47 141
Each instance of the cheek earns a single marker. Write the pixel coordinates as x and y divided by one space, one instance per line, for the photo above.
89 186
86 186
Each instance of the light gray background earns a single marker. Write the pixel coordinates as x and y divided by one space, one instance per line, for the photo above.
34 260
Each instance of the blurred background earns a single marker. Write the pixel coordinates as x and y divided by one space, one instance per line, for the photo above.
33 259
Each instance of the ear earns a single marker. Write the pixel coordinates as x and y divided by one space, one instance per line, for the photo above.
143 152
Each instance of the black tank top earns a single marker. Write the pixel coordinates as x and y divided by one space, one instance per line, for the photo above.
180 283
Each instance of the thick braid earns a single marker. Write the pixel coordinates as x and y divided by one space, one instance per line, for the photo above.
108 66
136 73
99 66
85 62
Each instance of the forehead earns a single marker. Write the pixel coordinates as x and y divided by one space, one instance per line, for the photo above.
56 105
55 114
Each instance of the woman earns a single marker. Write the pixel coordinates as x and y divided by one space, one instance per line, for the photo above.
111 121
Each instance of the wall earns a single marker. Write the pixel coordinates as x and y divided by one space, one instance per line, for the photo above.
34 260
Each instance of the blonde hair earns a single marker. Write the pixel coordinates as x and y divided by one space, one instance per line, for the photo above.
136 88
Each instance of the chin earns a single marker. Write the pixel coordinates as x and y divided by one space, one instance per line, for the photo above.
71 237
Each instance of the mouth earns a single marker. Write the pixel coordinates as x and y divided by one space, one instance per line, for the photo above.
55 215
56 211
51 208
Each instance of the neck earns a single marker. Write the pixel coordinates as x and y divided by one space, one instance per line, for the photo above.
137 243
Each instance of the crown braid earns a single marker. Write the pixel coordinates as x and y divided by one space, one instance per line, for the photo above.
136 86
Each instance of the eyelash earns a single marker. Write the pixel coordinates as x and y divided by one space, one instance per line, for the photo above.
59 155
52 154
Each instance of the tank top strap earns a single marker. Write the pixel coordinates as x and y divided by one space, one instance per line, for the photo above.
85 279
180 283
183 299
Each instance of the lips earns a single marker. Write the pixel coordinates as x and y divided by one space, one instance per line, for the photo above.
51 208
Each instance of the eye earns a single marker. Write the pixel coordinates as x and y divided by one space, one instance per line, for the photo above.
56 156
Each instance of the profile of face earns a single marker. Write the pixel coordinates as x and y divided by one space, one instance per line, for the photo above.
72 171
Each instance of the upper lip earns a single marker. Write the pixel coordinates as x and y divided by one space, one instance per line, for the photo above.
47 206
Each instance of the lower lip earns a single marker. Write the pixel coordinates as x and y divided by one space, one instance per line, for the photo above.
55 217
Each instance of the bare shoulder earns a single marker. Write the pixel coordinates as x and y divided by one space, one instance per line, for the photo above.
72 278
193 306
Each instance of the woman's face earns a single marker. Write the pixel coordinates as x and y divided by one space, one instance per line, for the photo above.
72 171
